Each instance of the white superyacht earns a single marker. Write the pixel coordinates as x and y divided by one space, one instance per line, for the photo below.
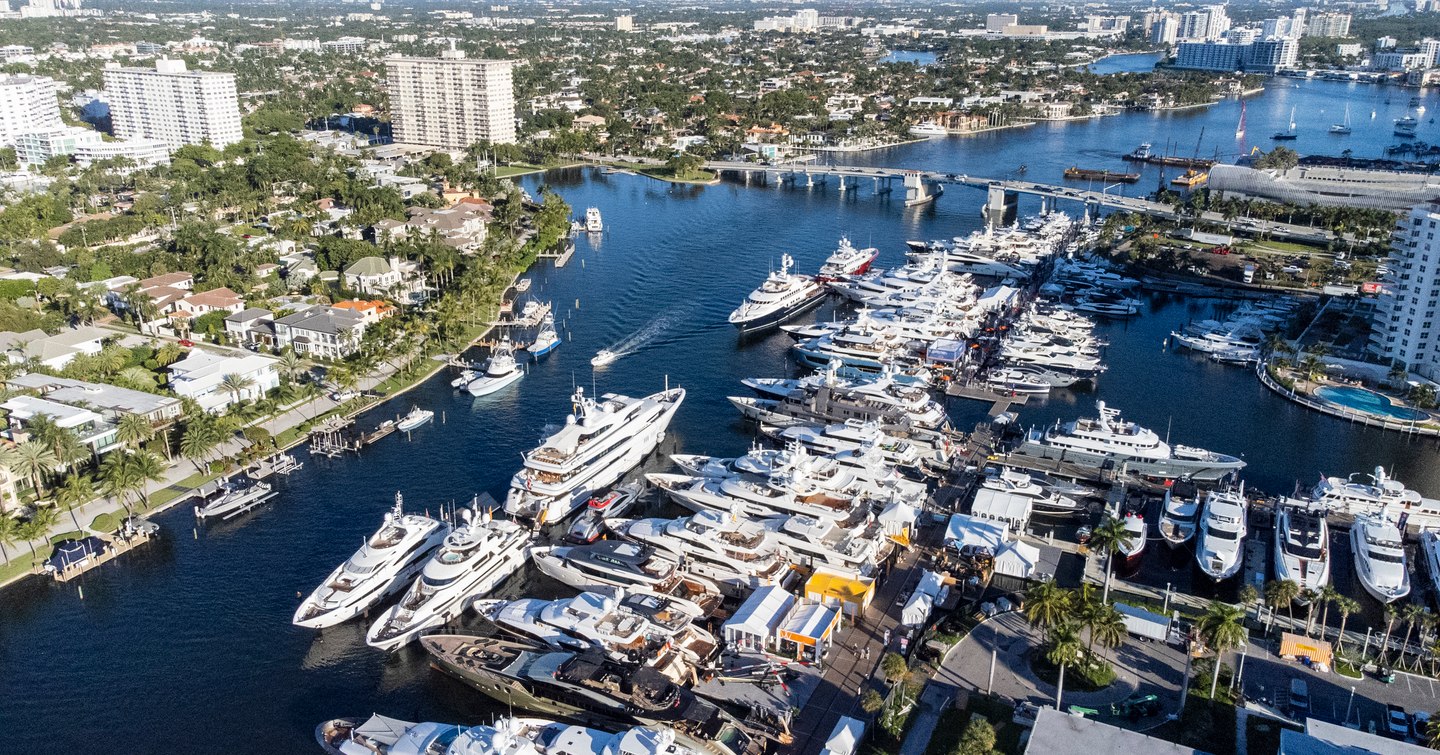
1223 527
1111 441
724 547
388 560
782 296
1302 546
1380 557
618 563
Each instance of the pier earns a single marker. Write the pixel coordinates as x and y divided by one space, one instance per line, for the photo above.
1000 402
115 546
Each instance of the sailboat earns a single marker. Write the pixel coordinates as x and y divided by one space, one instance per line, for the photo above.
1289 135
1240 127
1343 128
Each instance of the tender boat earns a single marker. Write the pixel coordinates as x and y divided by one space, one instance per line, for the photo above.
546 339
781 297
593 223
1302 546
600 442
603 357
235 497
1178 519
1380 558
474 559
1109 441
619 563
388 560
846 260
414 419
501 370
1223 526
1133 549
590 525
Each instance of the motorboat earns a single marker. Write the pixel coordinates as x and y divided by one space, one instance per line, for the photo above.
415 418
865 468
546 339
382 735
1043 500
1302 546
921 454
1016 381
600 442
1356 496
1406 126
587 684
590 525
1178 518
1108 440
1379 552
896 406
621 563
724 547
474 558
512 735
928 130
812 541
603 357
784 492
1223 527
1132 549
782 296
846 260
593 222
501 370
235 497
1430 553
387 561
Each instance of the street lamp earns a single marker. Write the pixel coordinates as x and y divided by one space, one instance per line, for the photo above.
1351 704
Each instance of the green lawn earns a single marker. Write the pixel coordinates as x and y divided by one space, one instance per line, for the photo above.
518 169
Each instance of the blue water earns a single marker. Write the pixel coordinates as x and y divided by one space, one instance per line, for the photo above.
920 58
1136 62
186 645
1370 402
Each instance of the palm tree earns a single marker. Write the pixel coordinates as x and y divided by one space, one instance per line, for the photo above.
76 490
1064 651
1328 594
147 468
199 440
1412 614
291 364
133 430
1221 628
118 478
1107 626
236 384
1346 606
1311 599
1391 614
1283 593
1432 732
136 378
9 533
34 460
1108 538
1047 606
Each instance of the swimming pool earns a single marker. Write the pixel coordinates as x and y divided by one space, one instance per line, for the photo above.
1369 402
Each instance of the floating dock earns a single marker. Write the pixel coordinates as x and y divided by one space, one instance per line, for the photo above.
114 547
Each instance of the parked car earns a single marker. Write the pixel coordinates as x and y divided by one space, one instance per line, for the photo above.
1397 721
1420 725
1299 699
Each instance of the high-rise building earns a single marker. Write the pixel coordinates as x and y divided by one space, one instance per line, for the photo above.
173 104
1209 56
1403 329
27 103
1208 23
451 101
1165 31
997 22
1328 25
1430 48
624 23
1271 55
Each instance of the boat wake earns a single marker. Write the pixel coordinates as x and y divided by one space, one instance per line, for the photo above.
658 326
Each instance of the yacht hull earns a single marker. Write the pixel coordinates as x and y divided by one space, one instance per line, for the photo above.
442 608
485 385
775 317
1193 469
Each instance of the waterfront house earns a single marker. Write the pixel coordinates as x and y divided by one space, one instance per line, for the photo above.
252 327
112 401
323 332
201 376
90 428
55 351
393 278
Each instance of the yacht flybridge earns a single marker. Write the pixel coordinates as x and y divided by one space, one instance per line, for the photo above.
725 547
1220 549
388 560
1109 440
1379 553
1302 546
600 442
782 296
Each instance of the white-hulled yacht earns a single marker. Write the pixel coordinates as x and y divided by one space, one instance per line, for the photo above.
788 492
1380 557
1222 531
813 541
1042 500
546 339
834 400
908 453
1356 496
501 370
1137 534
846 260
1178 519
1109 440
620 563
1430 554
475 558
724 547
782 296
513 735
1302 546
382 735
865 469
600 442
387 561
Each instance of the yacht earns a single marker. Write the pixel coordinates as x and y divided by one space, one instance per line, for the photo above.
846 260
813 540
474 558
590 525
928 129
600 442
1015 381
779 298
1302 546
1111 441
501 370
1133 548
1380 557
617 563
1178 518
1043 500
896 406
1430 551
1355 496
866 467
1220 548
923 455
533 736
781 493
1406 126
593 223
382 735
415 418
724 547
388 560
235 497
546 339
586 686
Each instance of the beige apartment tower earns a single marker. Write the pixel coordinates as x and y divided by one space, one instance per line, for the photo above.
451 101
173 104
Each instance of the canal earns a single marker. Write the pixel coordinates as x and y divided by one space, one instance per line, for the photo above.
186 645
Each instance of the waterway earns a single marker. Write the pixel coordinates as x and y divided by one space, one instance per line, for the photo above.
920 58
1135 62
186 645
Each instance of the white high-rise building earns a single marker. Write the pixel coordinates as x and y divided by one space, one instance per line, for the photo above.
1208 23
1328 25
173 104
1430 48
451 101
1165 31
1404 326
27 103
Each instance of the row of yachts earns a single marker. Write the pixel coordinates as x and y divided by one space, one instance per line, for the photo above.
508 735
1239 337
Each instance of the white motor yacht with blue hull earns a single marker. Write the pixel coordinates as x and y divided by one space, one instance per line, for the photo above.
781 297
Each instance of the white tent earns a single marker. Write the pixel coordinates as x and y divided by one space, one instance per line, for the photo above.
997 297
930 591
967 530
897 519
755 623
1007 508
845 738
1017 559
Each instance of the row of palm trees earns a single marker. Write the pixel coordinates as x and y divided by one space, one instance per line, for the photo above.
1062 615
1285 594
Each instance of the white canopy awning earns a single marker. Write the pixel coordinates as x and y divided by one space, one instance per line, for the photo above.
760 615
967 530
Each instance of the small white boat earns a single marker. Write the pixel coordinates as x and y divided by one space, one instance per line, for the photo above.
593 223
234 498
1178 519
603 357
1133 549
1380 558
414 419
501 370
546 340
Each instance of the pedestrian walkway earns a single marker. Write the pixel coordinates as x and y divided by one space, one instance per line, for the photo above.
922 727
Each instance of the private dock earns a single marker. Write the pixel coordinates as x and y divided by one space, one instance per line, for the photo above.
115 547
280 464
561 255
1000 402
